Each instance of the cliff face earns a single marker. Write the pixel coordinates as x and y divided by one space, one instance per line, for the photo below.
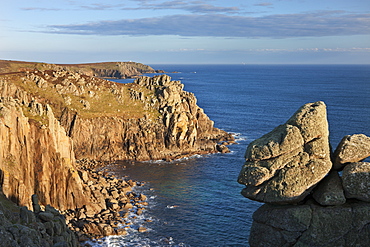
179 127
47 118
119 70
37 159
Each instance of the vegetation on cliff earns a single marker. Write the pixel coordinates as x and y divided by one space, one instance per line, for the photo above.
119 70
51 115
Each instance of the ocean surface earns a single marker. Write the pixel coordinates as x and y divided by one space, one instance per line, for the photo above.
197 201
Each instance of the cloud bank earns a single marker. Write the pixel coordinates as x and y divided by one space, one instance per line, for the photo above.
331 23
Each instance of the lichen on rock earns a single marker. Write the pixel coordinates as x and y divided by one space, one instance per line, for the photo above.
284 165
287 166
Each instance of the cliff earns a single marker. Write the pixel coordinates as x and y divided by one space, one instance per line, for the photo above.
51 115
118 70
313 197
49 118
168 124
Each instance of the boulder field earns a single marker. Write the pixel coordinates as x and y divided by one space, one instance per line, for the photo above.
312 196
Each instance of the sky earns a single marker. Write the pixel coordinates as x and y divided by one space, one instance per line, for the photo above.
186 32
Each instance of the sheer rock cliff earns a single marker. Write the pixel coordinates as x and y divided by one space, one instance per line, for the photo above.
179 128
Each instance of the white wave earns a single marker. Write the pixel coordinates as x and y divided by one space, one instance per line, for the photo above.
239 137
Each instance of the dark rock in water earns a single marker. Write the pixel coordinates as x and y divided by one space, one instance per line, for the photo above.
356 181
351 149
222 149
284 165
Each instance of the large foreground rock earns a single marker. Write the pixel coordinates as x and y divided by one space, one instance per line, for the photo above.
284 165
311 225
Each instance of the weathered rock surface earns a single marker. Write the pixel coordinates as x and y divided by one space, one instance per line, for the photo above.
328 210
118 198
311 225
37 158
352 148
22 227
181 128
356 181
284 165
329 191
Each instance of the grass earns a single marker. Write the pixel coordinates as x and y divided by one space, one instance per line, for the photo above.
104 103
7 66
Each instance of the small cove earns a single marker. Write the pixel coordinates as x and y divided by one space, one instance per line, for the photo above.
196 201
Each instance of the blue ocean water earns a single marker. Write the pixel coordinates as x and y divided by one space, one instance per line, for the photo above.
197 201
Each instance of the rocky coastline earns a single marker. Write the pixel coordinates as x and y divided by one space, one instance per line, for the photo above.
59 125
46 226
312 196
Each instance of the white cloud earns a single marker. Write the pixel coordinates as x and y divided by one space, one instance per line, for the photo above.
318 24
263 4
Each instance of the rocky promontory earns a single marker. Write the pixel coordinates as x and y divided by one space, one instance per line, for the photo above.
313 196
52 116
116 70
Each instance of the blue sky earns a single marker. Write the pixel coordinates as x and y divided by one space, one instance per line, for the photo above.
187 32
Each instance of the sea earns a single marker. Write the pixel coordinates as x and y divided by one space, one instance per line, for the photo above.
196 201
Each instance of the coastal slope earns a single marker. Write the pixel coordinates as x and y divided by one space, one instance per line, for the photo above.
48 118
117 70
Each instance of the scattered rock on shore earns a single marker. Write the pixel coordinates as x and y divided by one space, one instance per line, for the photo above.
119 199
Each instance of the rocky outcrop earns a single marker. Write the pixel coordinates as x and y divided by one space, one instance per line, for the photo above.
292 165
180 128
118 70
22 227
284 165
356 181
119 201
311 225
37 158
50 117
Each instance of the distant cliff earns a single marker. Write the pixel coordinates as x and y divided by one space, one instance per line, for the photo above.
117 70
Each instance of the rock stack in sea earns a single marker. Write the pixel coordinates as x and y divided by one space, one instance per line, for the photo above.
312 196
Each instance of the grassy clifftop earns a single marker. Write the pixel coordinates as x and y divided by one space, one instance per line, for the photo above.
120 70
